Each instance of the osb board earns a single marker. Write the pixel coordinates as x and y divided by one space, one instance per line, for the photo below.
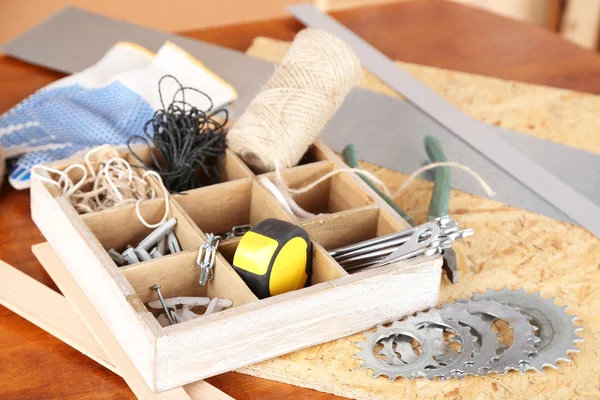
511 247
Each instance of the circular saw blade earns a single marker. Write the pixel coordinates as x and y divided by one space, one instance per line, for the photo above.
556 330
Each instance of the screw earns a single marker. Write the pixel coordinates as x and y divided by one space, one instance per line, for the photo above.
162 301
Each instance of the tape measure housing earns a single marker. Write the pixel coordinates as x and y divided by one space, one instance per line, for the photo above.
274 257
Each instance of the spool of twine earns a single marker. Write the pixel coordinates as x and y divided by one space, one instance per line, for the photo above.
288 113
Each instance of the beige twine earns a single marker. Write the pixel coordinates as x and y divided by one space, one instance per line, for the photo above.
484 185
288 113
279 188
107 181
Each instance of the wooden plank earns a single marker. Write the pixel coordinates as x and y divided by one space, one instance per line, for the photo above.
101 280
53 313
50 311
203 390
77 297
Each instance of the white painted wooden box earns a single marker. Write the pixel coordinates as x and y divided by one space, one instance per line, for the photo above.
336 304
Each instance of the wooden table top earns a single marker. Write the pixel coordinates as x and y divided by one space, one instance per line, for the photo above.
34 364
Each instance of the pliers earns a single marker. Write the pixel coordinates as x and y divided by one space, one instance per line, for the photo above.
350 158
438 206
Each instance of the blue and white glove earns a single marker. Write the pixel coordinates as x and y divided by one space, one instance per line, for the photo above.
104 104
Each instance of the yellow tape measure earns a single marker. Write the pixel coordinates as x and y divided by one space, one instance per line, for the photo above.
274 257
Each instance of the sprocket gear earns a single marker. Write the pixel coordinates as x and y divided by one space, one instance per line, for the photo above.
487 338
556 330
524 335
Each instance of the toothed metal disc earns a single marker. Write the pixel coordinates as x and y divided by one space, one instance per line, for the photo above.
455 368
404 353
556 330
522 347
405 348
380 367
488 339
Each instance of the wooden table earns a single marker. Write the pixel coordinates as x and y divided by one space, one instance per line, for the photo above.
33 364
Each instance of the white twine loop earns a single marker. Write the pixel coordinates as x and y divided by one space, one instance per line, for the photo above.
109 184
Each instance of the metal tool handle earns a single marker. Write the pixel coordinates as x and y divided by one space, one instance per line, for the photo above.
415 244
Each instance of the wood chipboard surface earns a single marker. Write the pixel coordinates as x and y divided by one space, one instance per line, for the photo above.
511 247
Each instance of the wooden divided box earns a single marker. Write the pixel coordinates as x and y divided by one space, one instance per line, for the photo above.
335 304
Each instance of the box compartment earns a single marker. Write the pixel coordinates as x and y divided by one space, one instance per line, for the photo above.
218 208
120 228
178 276
352 226
336 194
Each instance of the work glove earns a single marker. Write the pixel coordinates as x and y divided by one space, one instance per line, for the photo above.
105 104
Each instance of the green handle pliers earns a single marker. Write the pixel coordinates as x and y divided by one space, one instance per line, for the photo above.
438 207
